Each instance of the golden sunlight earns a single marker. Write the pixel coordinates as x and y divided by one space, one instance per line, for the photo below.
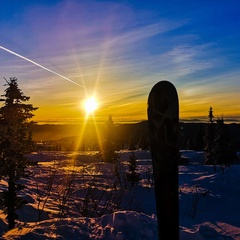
90 105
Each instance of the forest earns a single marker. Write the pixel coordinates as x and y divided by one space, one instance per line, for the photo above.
126 134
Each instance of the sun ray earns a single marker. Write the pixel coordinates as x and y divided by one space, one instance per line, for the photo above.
99 139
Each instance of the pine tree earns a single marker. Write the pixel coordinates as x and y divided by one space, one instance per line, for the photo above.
15 143
209 139
223 151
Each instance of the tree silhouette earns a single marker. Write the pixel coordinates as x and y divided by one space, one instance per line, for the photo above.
133 176
196 142
224 153
108 148
15 143
209 139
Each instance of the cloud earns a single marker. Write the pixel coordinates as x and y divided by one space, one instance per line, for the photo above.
119 52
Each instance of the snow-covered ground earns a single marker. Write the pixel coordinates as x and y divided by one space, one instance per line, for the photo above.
63 186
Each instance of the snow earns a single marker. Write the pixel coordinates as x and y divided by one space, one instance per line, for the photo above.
119 225
209 201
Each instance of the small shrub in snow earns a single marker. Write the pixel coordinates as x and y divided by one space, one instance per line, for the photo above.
132 175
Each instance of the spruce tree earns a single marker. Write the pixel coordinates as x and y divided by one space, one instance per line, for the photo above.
224 152
15 144
209 139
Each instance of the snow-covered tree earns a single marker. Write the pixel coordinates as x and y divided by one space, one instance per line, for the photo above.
15 143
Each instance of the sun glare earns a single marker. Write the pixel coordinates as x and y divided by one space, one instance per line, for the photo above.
90 105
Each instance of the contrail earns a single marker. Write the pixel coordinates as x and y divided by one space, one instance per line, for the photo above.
39 65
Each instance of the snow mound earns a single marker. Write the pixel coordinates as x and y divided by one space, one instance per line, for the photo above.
187 234
117 226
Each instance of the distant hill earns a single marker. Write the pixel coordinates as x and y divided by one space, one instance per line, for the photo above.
130 134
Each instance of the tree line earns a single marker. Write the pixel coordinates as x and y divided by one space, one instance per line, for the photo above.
218 145
215 140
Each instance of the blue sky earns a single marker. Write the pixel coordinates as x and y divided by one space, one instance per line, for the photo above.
117 50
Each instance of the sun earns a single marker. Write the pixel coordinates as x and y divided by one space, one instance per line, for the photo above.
90 105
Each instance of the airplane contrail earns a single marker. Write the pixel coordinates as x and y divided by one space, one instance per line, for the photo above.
39 65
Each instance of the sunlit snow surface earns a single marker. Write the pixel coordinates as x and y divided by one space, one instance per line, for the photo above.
209 201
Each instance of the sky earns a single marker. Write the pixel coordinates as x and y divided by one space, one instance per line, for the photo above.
117 51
